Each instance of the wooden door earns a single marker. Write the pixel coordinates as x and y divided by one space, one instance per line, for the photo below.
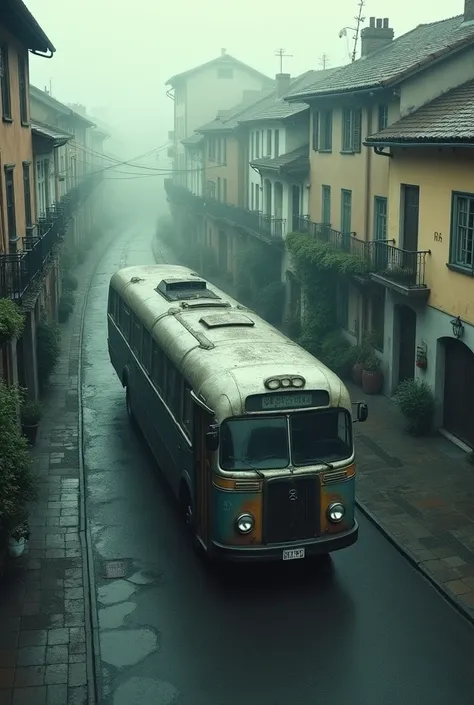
458 409
202 473
407 337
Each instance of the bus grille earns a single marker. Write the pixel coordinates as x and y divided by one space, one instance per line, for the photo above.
291 509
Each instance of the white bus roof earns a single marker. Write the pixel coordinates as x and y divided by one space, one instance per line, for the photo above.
224 349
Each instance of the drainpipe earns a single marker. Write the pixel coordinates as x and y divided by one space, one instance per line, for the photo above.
368 174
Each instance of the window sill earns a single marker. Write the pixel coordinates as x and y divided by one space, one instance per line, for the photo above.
325 151
25 124
5 118
347 151
460 270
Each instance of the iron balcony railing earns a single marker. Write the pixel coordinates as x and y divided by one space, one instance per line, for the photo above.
382 257
269 227
18 271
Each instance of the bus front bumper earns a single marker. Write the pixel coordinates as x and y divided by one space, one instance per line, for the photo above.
274 552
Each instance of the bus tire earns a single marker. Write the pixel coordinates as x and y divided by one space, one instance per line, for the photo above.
187 510
128 401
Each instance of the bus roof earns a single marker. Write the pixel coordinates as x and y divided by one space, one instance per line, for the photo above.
225 350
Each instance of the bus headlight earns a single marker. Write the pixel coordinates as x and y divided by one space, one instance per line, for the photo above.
245 523
335 512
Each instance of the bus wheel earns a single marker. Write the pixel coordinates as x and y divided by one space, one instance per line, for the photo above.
130 413
188 514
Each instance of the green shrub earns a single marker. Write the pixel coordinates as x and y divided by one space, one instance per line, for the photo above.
64 311
68 297
337 353
48 349
17 482
68 258
12 320
271 302
69 282
30 412
372 363
81 256
416 402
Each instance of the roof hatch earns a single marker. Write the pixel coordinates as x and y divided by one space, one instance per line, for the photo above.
222 320
177 289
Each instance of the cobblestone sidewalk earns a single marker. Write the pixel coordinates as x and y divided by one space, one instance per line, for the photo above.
420 491
42 600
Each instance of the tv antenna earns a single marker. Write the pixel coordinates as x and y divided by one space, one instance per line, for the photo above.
359 20
324 61
281 54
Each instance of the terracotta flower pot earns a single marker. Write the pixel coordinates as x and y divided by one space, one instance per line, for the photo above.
357 370
372 382
30 432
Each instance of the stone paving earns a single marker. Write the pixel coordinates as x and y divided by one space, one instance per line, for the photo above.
42 597
421 493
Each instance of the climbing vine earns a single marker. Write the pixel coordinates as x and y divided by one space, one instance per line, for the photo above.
12 320
258 279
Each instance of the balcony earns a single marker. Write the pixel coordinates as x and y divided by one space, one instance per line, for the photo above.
19 272
397 269
267 228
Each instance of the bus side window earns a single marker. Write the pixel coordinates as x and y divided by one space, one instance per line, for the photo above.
146 357
170 393
136 336
157 367
187 416
112 299
126 322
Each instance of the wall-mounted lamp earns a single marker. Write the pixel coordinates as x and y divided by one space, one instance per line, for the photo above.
458 328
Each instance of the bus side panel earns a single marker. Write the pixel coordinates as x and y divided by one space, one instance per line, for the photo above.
170 449
118 349
226 507
343 492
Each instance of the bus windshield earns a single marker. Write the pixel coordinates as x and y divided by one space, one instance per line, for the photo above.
263 442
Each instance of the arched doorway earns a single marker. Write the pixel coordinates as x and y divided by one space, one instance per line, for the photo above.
407 343
458 409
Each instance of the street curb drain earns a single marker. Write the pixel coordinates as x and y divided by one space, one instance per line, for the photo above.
115 570
406 553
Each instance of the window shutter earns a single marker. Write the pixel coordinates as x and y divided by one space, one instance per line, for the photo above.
357 131
329 130
315 131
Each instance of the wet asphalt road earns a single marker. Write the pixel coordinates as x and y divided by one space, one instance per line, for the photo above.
365 630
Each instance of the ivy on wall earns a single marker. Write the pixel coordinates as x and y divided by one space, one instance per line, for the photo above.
258 279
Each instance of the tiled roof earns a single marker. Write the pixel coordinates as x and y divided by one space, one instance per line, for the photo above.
392 63
192 139
275 108
227 120
43 97
21 23
448 118
59 137
224 59
294 161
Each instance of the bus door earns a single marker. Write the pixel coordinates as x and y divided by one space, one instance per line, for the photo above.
203 420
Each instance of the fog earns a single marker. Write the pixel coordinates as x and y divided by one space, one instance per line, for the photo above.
115 58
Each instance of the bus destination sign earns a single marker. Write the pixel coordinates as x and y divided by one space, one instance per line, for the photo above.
275 401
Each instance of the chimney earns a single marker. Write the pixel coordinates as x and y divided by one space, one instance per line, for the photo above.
468 11
223 52
282 84
378 34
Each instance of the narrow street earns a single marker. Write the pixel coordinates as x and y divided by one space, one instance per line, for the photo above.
367 629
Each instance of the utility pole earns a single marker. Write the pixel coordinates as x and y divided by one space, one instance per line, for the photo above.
359 20
323 61
281 54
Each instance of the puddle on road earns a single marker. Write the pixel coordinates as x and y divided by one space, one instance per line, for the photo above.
143 577
127 647
113 617
116 591
137 691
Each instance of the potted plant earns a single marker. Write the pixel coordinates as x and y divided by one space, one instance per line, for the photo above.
12 321
416 402
359 357
372 376
18 532
30 414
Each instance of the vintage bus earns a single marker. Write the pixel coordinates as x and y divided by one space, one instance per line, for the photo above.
253 434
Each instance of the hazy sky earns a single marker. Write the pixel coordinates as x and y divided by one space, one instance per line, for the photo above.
115 57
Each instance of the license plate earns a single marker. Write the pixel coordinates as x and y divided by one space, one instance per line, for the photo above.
293 553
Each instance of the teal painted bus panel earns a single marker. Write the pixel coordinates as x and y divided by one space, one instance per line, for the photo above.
226 507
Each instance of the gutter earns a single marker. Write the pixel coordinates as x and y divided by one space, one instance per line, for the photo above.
391 143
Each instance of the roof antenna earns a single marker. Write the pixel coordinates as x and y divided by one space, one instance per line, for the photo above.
323 61
359 20
281 54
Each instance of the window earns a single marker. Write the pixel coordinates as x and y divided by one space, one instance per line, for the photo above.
252 204
218 188
343 304
23 86
269 143
260 443
224 190
320 435
380 218
252 147
136 337
325 138
462 231
224 150
187 415
125 325
257 145
173 394
257 197
277 143
326 205
315 124
351 130
346 211
113 306
383 117
5 83
378 318
27 193
212 149
10 194
158 370
219 150
211 187
225 72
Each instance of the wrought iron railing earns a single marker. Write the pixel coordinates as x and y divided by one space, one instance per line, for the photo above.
18 271
400 266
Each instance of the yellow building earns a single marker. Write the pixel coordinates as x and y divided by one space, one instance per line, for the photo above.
350 193
431 160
